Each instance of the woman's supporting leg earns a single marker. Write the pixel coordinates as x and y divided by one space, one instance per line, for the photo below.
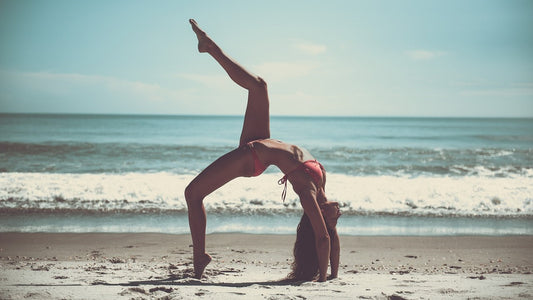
257 117
234 164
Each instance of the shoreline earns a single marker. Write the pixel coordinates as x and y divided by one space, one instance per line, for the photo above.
283 223
153 265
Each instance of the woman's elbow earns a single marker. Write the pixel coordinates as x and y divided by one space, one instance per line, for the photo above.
323 242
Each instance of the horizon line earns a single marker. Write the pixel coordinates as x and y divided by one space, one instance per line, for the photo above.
275 116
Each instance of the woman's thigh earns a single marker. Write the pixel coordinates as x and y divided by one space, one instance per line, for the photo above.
257 117
236 163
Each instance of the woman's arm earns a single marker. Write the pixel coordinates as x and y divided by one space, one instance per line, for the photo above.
334 254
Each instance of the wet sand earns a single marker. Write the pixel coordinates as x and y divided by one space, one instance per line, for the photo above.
244 266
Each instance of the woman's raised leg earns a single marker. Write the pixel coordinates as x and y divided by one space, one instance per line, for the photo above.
257 117
235 163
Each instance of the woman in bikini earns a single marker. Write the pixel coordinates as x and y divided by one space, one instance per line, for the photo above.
254 154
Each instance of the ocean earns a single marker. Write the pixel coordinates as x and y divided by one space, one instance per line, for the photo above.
391 176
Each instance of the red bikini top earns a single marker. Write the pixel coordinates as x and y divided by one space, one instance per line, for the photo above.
311 167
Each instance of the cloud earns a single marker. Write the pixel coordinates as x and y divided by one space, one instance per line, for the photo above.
299 103
309 48
424 54
72 92
278 71
502 92
494 88
214 81
60 83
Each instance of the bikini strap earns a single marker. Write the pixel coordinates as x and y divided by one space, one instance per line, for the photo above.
283 180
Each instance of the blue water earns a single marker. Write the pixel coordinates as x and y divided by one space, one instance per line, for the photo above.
186 144
399 171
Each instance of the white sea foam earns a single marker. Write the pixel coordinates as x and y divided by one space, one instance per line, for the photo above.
160 192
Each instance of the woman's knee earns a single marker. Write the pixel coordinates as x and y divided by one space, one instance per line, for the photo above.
192 195
259 83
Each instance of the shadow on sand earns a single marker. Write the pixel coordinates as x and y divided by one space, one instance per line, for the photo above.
182 281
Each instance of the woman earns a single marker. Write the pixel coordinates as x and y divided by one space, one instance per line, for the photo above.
255 153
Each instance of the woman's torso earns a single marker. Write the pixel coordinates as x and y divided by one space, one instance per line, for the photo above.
289 159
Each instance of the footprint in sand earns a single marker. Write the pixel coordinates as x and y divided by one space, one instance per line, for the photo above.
201 292
133 290
514 283
162 289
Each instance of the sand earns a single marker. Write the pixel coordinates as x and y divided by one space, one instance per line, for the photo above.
158 266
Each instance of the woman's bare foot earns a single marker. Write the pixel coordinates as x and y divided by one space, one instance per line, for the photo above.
199 265
204 42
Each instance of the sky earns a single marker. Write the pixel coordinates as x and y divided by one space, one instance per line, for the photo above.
320 58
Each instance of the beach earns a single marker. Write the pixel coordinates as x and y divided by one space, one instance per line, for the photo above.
252 266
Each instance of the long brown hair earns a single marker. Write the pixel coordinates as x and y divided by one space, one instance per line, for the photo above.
305 265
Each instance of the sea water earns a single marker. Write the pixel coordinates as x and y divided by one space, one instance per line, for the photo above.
391 176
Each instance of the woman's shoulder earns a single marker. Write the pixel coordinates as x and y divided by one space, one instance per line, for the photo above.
270 141
275 144
295 152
